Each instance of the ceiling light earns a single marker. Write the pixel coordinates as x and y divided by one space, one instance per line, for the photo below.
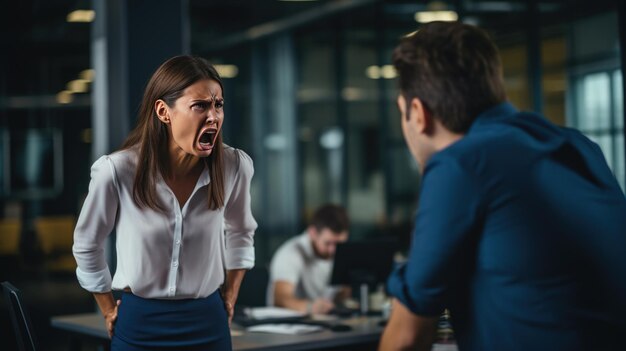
88 75
431 16
78 86
377 72
352 94
64 97
81 16
436 11
227 71
312 94
86 136
388 72
372 72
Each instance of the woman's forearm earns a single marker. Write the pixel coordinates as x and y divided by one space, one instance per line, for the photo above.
234 277
105 302
230 290
108 307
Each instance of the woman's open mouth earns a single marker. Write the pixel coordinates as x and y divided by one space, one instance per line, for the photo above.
207 139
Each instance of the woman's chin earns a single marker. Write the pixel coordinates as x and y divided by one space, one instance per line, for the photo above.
204 151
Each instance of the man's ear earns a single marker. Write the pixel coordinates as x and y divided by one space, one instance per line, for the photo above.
162 112
420 115
311 231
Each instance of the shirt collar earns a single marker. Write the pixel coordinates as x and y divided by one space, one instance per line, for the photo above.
205 178
505 109
307 245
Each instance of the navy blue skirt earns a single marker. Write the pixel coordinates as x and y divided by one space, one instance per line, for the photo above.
155 324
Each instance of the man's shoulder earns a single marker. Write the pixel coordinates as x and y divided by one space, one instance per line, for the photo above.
288 260
292 248
522 134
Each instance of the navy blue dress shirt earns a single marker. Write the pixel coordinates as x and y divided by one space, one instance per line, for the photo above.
521 233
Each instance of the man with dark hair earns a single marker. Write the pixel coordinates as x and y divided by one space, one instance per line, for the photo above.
301 268
521 226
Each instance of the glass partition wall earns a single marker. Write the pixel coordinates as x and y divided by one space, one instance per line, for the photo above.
310 96
333 133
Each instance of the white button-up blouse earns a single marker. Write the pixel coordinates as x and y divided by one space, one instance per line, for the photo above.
176 254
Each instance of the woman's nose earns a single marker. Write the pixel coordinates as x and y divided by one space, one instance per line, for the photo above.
211 116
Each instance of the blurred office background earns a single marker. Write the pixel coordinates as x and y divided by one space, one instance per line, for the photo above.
310 95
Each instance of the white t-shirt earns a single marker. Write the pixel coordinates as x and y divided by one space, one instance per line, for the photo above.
295 262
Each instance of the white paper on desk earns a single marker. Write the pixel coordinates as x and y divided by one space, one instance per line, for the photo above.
444 347
283 328
271 312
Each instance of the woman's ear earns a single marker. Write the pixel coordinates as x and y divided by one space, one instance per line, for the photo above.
162 111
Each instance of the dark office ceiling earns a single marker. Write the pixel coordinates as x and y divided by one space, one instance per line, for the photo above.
40 47
42 52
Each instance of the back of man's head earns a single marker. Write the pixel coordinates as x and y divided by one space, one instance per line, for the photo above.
454 69
330 216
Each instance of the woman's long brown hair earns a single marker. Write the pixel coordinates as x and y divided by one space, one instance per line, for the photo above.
151 138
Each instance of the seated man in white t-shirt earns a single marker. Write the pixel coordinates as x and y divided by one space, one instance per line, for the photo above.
301 268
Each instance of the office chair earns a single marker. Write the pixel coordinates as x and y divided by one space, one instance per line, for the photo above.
10 236
24 335
10 230
55 236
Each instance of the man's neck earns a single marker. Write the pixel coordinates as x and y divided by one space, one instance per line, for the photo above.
443 137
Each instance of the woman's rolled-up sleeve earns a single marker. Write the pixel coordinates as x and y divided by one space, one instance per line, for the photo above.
95 223
239 222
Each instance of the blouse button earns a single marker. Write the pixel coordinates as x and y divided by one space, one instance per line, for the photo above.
175 264
177 242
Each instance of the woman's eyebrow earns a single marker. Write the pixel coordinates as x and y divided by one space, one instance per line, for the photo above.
208 100
212 98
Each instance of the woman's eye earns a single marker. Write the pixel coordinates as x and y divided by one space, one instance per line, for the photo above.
219 104
200 106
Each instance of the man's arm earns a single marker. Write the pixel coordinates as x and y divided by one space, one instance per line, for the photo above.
344 292
284 296
408 331
443 251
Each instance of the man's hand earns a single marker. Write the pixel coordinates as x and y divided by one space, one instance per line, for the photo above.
343 293
408 331
321 306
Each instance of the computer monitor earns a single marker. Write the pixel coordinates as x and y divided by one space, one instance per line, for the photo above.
363 262
31 163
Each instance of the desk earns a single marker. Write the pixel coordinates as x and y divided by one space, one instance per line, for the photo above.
365 334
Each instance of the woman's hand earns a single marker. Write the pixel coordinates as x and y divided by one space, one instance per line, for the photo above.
108 306
229 304
110 318
230 290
